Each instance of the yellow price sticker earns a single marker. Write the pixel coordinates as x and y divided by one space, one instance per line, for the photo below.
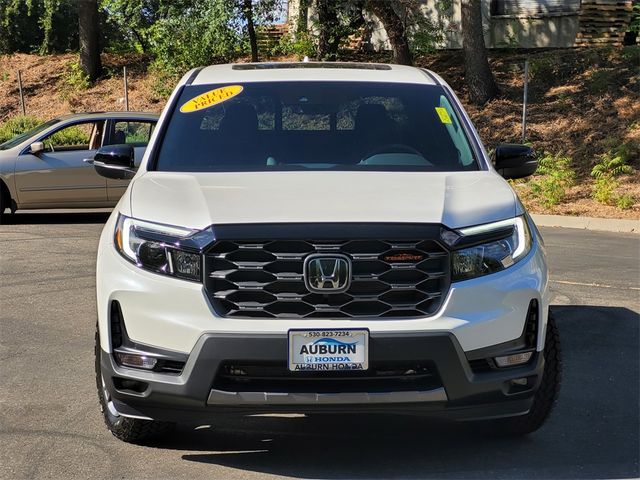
443 114
211 98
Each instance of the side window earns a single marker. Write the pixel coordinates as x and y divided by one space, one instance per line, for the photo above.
136 133
80 136
530 7
457 133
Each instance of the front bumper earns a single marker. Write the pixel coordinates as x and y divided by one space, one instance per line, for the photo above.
173 314
480 318
458 393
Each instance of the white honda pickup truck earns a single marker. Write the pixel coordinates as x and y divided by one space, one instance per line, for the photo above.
320 238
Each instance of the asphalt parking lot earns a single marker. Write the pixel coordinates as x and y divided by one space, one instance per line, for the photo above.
50 424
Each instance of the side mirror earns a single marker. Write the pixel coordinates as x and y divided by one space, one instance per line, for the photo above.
114 161
36 147
514 161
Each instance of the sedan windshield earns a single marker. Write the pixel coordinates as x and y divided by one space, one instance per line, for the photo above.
25 136
357 126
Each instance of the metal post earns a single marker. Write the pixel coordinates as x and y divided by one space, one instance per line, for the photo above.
126 90
24 110
524 102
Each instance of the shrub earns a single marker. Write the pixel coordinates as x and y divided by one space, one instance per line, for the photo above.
553 177
625 201
162 81
424 41
301 45
628 151
76 78
610 166
17 125
631 52
604 190
543 67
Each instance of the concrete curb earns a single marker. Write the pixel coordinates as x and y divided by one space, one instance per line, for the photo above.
588 223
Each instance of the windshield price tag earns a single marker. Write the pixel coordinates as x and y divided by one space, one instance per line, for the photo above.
443 114
211 98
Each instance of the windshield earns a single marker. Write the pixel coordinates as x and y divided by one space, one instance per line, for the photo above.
358 126
24 136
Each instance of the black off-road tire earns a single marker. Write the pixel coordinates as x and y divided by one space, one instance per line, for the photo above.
131 430
546 396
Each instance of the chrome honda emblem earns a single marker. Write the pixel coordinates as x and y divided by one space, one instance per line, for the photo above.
327 273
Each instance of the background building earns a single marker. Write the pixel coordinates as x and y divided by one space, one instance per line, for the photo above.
514 23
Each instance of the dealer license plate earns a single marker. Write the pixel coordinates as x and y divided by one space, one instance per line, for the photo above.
328 350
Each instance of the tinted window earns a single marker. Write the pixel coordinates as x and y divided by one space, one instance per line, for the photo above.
136 133
315 125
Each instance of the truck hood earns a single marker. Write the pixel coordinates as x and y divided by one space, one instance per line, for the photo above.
197 200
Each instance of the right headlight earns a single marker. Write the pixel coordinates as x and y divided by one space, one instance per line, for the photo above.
495 255
157 248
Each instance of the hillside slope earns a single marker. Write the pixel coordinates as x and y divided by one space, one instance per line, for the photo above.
582 104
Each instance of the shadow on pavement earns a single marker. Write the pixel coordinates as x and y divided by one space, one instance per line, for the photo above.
593 432
23 218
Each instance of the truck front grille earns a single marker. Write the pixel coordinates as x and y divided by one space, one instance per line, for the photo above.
390 278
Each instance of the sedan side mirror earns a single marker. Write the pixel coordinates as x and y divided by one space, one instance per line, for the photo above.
36 147
514 161
114 161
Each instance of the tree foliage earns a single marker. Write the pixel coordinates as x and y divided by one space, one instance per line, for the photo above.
181 34
337 19
42 26
409 30
186 33
205 32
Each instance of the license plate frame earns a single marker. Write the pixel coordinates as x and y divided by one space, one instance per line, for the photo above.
338 355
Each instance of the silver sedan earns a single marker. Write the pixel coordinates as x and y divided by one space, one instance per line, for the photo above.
45 167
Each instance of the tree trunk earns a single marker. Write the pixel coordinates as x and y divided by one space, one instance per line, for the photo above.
329 24
394 27
480 81
303 13
247 11
89 36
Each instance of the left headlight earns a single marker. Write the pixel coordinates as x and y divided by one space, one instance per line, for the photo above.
157 248
495 255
